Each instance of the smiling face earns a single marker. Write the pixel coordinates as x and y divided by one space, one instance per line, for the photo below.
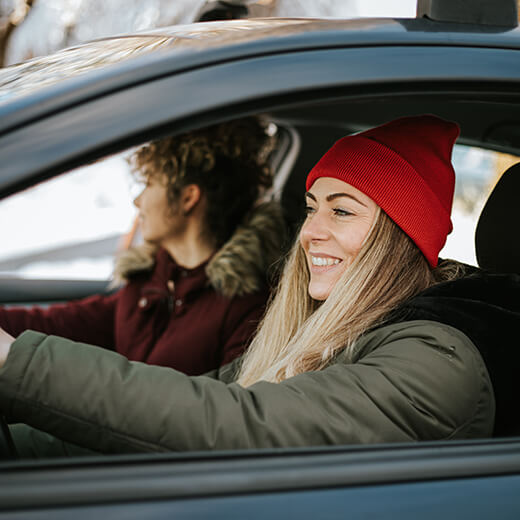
338 220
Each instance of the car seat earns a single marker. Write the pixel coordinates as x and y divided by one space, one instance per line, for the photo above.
496 242
498 253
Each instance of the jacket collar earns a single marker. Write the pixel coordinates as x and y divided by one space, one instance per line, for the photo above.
167 270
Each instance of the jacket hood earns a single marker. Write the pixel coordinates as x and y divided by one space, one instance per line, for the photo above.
241 266
485 307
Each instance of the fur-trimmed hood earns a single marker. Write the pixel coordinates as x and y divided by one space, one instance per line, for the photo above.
241 266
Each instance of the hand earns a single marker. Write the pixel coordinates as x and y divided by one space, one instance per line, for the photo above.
5 345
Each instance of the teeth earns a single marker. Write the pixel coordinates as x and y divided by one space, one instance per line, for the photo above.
318 260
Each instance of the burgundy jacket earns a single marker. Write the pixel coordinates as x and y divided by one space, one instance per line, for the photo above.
193 320
190 327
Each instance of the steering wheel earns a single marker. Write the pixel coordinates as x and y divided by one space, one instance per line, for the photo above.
7 447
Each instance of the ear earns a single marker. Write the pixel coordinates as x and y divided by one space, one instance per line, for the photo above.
190 197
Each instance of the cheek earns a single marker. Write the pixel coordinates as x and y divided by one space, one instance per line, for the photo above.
352 242
161 208
149 202
337 273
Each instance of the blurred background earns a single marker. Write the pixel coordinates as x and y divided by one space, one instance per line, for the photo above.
30 28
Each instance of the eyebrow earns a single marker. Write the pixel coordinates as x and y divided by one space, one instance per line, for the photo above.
333 196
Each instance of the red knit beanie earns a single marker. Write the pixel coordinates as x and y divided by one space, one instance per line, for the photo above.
405 167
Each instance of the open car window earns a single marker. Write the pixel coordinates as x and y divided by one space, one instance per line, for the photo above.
72 226
477 171
81 219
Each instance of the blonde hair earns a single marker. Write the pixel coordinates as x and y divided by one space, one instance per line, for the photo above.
299 334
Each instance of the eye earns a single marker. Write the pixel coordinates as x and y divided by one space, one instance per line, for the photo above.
339 212
309 210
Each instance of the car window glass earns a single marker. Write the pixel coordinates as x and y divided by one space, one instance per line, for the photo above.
71 226
477 171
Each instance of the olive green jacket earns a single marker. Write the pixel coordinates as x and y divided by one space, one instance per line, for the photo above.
417 380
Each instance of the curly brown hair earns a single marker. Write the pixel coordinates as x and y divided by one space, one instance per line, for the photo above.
228 161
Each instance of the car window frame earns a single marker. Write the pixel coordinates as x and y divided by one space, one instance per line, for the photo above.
102 126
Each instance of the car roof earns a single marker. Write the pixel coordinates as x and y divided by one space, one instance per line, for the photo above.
145 55
297 71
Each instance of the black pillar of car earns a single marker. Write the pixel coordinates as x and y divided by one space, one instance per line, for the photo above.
482 12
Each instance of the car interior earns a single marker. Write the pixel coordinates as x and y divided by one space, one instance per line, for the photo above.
494 250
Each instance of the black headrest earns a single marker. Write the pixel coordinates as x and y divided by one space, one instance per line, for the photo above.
497 240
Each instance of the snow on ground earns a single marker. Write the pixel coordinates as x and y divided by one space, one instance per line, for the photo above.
461 241
79 269
89 204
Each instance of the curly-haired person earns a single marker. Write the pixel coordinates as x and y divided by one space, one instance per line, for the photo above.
195 291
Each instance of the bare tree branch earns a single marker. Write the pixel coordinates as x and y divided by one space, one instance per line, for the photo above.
8 24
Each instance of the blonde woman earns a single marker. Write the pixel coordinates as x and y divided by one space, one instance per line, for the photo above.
368 339
200 278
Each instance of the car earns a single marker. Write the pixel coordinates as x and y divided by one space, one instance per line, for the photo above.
315 81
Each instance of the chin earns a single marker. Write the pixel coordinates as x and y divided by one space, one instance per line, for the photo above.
318 293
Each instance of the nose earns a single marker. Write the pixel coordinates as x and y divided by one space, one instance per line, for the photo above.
315 228
137 200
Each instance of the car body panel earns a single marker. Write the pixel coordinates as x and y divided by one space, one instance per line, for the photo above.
222 41
215 480
102 122
458 499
